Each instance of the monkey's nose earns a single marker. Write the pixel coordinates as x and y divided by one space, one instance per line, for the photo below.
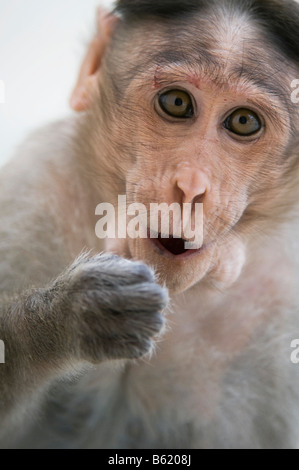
193 185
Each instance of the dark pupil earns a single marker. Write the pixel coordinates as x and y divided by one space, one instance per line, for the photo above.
178 102
243 120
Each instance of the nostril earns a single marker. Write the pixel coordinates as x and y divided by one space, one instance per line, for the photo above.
199 199
193 185
191 195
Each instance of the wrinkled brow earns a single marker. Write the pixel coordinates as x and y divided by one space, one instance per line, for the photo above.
170 65
258 73
264 78
254 71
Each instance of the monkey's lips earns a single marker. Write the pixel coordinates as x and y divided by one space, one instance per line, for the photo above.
173 247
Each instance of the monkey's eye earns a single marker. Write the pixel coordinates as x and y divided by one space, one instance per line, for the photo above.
177 103
243 122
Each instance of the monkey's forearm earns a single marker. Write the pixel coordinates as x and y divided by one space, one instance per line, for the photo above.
37 345
100 308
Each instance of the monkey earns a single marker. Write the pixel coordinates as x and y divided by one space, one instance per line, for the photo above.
140 343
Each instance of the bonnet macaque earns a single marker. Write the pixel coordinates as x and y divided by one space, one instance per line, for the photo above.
140 342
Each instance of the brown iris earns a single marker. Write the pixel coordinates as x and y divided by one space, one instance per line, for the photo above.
243 122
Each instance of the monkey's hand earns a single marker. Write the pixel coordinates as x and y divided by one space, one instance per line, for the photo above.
113 307
100 308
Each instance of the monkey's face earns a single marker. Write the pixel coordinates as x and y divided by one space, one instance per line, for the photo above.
207 121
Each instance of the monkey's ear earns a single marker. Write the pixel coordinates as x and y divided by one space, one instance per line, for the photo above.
82 94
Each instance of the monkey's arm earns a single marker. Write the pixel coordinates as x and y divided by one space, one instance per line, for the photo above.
100 308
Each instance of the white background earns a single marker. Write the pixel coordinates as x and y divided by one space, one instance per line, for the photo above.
42 43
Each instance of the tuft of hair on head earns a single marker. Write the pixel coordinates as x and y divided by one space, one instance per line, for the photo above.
162 9
278 18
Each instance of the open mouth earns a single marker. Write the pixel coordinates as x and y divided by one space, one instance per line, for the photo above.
174 246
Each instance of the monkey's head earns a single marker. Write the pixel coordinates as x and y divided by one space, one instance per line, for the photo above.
191 102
